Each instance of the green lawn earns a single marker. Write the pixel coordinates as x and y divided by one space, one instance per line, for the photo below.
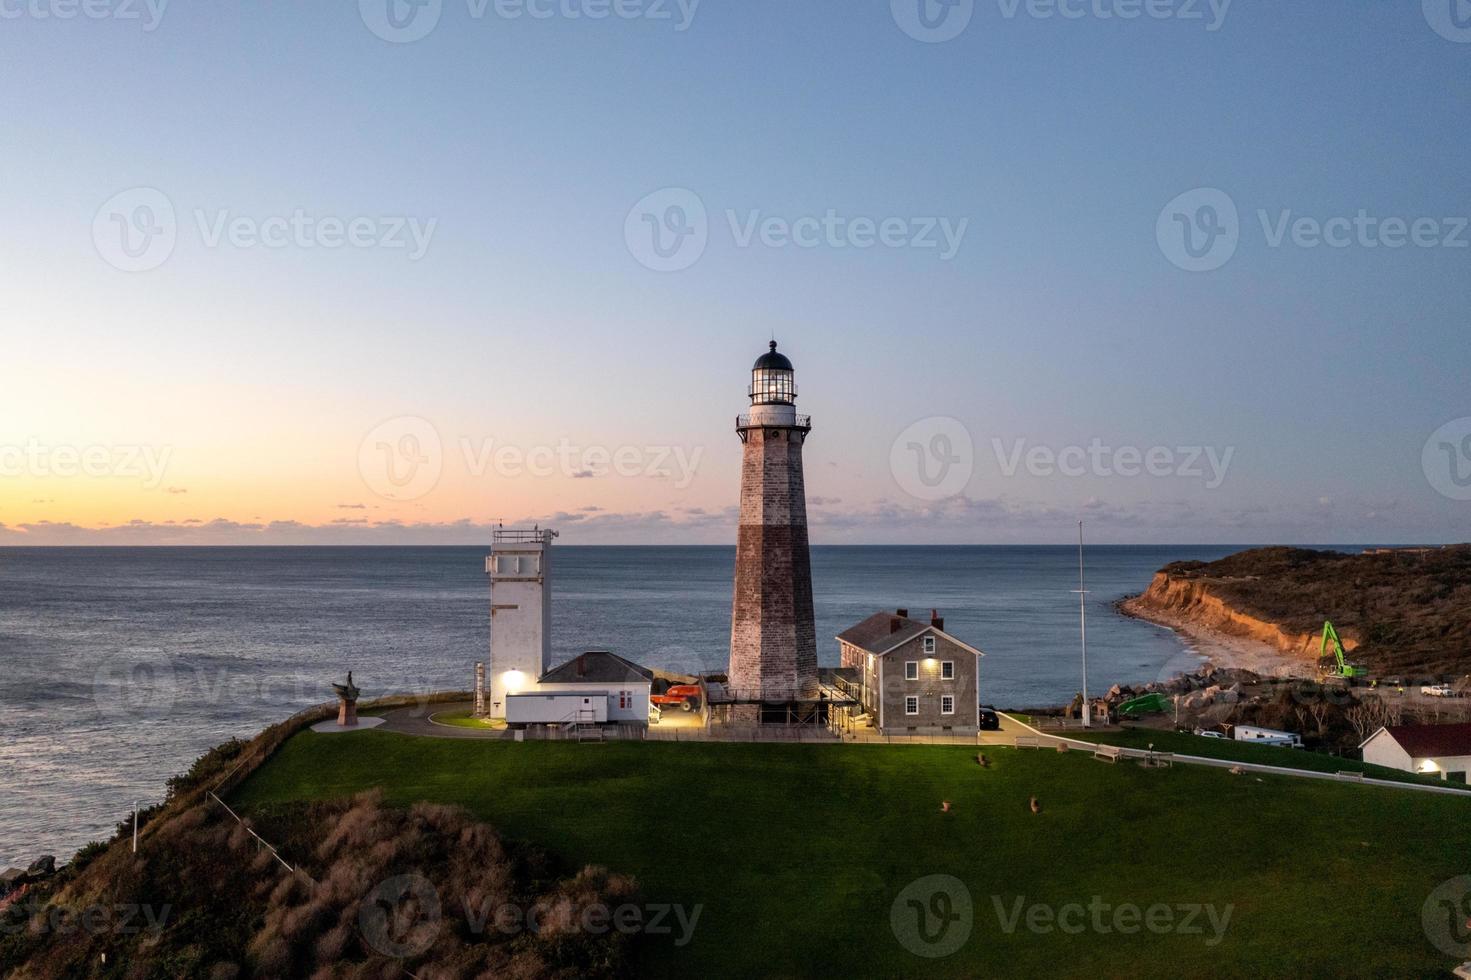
798 852
1184 743
462 718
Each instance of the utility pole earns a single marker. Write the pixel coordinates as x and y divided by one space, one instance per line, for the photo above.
1083 629
135 826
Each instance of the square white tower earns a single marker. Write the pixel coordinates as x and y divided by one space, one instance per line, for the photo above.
519 567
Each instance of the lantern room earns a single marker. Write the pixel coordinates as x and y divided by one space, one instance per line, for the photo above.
772 379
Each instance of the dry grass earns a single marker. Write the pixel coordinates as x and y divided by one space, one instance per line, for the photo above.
230 909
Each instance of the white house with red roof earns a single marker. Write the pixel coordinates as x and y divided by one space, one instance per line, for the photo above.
1432 750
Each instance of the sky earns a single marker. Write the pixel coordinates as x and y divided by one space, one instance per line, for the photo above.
390 272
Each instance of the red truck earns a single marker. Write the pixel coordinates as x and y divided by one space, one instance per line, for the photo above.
686 697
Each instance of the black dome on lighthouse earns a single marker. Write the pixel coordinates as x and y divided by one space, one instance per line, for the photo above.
772 361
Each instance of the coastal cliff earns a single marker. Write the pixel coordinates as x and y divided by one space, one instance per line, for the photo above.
1188 603
1402 610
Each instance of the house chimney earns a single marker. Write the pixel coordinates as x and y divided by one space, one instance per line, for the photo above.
903 613
582 665
895 623
936 620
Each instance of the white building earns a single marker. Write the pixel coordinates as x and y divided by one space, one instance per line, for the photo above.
520 612
593 687
1432 750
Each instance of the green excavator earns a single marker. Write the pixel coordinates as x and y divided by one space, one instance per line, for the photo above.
1340 667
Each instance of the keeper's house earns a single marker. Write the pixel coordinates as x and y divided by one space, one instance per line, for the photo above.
1431 750
911 676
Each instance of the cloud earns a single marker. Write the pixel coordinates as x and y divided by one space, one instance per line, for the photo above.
352 506
584 475
954 520
176 490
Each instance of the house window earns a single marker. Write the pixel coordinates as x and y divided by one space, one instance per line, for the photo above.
625 700
929 644
947 704
947 670
911 705
911 670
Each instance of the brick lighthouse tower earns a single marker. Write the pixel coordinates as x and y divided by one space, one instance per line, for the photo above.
773 642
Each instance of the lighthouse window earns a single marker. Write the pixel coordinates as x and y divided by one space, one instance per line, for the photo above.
772 385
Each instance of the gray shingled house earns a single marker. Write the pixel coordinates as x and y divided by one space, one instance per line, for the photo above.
912 676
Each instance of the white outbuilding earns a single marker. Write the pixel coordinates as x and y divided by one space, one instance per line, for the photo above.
1431 750
596 687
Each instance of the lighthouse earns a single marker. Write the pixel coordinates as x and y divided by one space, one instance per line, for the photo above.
773 641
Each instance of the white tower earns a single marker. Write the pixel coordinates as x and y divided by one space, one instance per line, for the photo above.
519 567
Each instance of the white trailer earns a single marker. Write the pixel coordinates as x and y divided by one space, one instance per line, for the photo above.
556 709
1266 736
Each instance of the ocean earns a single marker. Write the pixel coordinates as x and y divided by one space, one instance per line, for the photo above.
119 666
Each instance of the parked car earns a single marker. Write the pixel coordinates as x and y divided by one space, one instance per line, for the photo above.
1438 691
685 697
1209 733
990 720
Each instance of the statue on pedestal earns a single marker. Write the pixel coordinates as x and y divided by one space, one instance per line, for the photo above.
347 703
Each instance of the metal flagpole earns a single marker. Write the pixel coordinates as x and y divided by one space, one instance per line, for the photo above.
1083 629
